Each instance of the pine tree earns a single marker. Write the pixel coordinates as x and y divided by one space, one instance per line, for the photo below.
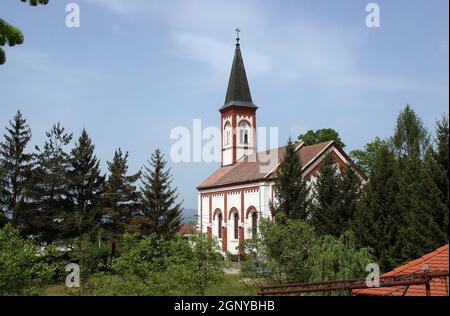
161 212
435 175
85 189
47 191
10 35
349 195
419 199
121 199
378 215
325 215
292 191
439 159
15 165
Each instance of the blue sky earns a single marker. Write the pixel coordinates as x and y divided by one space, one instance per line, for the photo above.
135 69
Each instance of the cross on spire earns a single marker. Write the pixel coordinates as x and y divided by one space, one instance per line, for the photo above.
238 30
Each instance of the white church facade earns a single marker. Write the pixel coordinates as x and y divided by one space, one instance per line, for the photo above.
233 199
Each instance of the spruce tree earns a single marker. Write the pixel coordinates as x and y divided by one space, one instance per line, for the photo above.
85 189
349 195
378 215
419 199
439 161
121 199
47 191
160 209
15 165
292 191
325 215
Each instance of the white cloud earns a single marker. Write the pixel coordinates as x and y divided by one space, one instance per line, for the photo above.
283 50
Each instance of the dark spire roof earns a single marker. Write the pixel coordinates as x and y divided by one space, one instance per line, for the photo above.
238 93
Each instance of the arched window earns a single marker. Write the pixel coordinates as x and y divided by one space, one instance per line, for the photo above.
236 226
244 128
219 226
227 134
254 224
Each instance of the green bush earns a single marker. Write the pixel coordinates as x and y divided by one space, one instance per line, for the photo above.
23 269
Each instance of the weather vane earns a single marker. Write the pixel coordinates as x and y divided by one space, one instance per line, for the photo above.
238 30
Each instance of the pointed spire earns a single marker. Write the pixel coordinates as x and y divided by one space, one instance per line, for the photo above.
238 93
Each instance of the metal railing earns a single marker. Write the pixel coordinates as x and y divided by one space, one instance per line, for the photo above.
406 280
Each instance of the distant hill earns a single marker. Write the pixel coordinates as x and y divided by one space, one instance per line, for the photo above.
189 215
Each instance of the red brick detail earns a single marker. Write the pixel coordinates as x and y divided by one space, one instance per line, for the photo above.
217 212
250 210
209 231
242 206
232 211
224 239
241 239
210 209
225 217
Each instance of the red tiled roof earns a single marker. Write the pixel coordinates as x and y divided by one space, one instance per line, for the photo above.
437 262
257 166
186 229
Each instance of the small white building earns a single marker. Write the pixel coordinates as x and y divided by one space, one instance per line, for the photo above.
233 199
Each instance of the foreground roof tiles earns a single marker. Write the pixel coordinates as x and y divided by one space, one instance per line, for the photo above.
437 262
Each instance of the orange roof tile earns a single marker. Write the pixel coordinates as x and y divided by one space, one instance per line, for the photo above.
437 261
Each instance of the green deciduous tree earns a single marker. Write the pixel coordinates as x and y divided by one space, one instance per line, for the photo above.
161 213
10 35
151 265
280 253
320 136
365 158
23 269
15 166
338 259
411 139
292 191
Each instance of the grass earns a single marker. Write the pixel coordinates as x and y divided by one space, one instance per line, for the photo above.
231 285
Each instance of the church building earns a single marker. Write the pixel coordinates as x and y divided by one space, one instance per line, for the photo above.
233 199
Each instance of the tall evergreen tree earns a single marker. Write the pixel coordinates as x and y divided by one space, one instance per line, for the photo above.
336 193
325 215
411 139
292 191
121 199
86 188
438 163
377 218
160 210
15 166
46 193
419 200
350 193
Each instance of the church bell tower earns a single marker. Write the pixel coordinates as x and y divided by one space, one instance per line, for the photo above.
238 114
